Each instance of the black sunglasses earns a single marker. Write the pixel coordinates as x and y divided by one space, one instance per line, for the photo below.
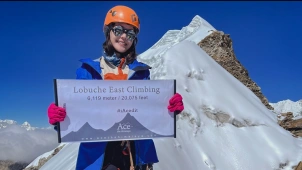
119 30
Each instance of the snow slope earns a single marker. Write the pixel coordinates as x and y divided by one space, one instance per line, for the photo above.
224 125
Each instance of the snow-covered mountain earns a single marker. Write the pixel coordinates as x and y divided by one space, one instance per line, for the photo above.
288 106
27 126
7 122
22 143
224 125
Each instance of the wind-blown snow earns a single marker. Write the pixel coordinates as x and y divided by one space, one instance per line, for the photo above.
249 138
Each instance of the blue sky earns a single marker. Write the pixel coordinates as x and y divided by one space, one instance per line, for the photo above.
40 41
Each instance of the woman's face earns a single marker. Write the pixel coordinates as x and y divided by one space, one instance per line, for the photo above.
121 37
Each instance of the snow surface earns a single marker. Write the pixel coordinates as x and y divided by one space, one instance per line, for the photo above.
45 155
208 90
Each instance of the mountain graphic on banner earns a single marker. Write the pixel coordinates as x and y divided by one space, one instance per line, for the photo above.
128 128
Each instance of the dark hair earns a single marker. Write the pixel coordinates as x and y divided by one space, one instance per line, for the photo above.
130 54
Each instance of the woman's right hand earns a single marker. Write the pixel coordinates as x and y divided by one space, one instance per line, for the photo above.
55 114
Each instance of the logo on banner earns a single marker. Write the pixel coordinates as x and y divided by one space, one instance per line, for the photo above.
124 127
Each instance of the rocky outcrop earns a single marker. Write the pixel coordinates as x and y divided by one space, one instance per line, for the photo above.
10 165
219 46
222 118
299 166
293 125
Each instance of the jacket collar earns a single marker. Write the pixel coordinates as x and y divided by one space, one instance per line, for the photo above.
95 64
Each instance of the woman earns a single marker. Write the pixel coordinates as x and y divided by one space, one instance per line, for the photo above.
121 28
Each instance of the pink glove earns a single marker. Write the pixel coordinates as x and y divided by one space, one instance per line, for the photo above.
176 104
55 114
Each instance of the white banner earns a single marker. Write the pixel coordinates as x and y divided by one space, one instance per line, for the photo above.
99 110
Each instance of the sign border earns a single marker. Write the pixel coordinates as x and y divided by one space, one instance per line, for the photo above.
57 103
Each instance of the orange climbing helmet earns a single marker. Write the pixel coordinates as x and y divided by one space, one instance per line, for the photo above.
122 14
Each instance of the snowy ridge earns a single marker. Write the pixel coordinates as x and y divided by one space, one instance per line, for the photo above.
45 155
197 29
288 106
23 143
224 125
65 159
27 126
6 123
168 38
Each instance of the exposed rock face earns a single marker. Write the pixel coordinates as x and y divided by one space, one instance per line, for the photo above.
10 165
290 124
219 46
222 118
299 166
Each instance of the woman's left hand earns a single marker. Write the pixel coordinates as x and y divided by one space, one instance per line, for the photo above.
176 104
